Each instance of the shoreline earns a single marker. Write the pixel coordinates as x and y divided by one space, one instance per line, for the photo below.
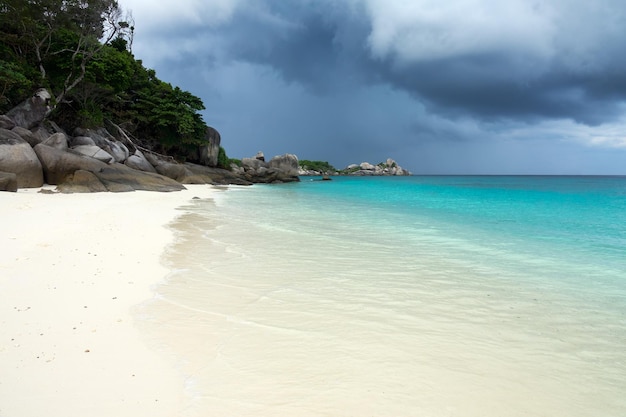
74 268
352 323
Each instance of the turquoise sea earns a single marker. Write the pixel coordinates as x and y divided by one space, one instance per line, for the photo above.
409 296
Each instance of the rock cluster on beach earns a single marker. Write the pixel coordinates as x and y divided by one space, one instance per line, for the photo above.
34 151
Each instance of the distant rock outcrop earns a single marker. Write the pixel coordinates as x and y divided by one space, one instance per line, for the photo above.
387 168
280 169
287 164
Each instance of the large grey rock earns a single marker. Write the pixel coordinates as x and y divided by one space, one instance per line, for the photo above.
27 135
17 156
153 159
118 150
282 168
211 175
236 169
209 153
58 141
31 111
82 140
119 178
93 151
287 164
41 133
104 140
89 133
60 167
82 182
8 181
175 171
139 161
253 164
6 122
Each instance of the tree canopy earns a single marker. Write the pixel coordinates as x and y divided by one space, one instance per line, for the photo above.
320 166
81 51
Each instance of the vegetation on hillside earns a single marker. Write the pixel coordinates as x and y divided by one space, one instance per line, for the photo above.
81 50
319 166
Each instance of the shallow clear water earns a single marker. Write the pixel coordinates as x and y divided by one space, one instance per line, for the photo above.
412 296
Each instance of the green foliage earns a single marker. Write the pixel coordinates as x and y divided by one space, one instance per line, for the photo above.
80 50
14 84
320 166
234 161
120 44
222 159
169 115
59 37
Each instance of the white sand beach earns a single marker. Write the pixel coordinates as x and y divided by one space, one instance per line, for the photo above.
72 267
247 323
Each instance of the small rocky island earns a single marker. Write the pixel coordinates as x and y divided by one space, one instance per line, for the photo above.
364 169
257 167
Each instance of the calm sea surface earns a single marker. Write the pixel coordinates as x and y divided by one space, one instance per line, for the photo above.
413 296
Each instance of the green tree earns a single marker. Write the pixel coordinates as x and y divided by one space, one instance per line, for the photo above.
320 166
107 80
14 84
171 114
47 32
222 159
81 51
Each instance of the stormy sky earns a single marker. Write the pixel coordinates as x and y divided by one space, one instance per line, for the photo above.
442 87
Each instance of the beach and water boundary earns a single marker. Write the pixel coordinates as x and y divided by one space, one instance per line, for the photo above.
287 301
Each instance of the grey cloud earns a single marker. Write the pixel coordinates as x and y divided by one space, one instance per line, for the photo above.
303 77
324 45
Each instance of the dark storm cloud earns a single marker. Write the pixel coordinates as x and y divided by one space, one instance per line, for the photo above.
471 86
315 46
324 46
455 85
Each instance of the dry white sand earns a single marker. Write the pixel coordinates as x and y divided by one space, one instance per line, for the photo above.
71 269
